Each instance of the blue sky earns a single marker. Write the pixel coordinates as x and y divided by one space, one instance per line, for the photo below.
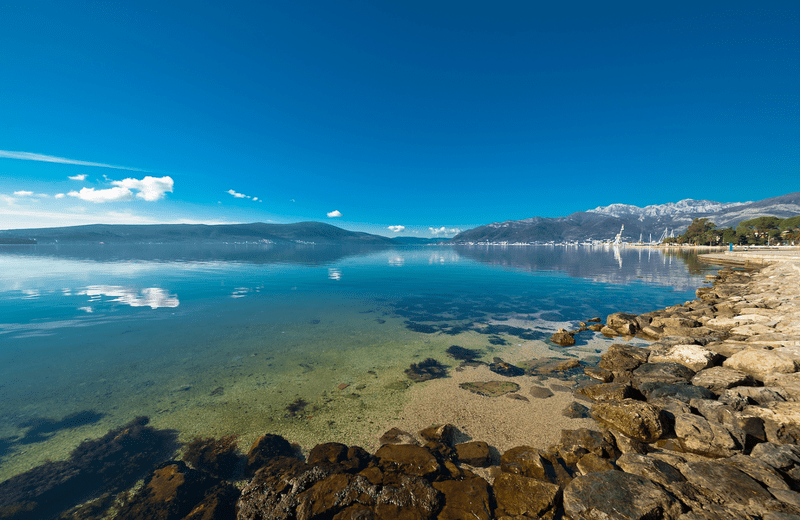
432 116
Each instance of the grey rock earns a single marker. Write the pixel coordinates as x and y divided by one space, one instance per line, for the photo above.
683 392
719 379
698 435
725 485
784 457
618 495
758 395
757 469
540 392
662 373
662 473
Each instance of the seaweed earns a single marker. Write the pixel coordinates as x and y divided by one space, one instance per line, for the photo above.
219 457
426 370
296 407
421 327
463 354
109 464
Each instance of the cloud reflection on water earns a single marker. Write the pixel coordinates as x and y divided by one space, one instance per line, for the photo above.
153 297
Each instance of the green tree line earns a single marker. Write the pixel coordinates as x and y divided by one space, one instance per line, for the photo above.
756 231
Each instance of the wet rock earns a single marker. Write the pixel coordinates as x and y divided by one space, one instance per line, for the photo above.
621 358
719 379
426 370
518 397
330 494
691 356
219 457
517 496
600 374
337 457
490 388
218 504
575 411
170 492
636 419
505 369
397 436
468 498
524 461
614 494
474 453
574 444
725 485
761 362
540 392
412 498
681 392
623 323
272 491
607 392
407 459
698 435
264 449
563 338
444 433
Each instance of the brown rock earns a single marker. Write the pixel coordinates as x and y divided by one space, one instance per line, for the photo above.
540 392
444 433
468 498
614 494
574 444
600 374
635 419
607 392
397 436
698 435
576 411
264 449
517 496
524 461
623 323
591 463
171 491
407 459
474 453
413 498
719 379
563 338
218 504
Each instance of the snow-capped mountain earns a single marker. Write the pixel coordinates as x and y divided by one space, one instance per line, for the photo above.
672 208
603 223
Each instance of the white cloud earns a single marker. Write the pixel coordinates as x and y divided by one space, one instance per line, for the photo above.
27 156
335 213
239 195
81 177
149 188
23 193
60 195
444 231
110 195
396 229
255 198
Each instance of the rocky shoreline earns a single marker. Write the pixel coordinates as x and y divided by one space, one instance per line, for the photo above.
703 423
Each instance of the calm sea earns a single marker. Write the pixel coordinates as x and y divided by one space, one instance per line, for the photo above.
306 341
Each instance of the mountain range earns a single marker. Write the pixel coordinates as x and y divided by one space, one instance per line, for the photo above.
603 223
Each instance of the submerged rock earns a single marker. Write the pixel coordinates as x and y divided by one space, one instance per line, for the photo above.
502 368
490 388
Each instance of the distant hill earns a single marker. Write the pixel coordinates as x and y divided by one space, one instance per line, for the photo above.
604 223
301 232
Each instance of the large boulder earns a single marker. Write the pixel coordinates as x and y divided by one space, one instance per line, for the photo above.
694 357
607 392
525 461
474 453
719 379
760 363
264 449
663 372
408 459
563 338
698 435
635 419
682 392
725 485
623 323
618 495
468 498
517 496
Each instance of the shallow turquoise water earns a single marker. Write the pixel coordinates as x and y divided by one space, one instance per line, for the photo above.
218 340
